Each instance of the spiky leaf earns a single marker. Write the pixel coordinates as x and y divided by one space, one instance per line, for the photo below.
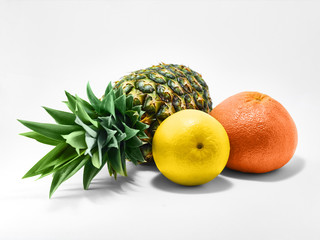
92 131
114 156
95 102
108 89
103 133
95 160
130 132
66 172
83 115
41 138
53 131
134 154
91 171
120 104
107 105
61 117
49 157
76 139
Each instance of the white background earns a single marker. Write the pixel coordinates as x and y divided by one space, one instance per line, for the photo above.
47 47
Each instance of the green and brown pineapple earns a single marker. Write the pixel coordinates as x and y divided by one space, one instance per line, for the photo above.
117 127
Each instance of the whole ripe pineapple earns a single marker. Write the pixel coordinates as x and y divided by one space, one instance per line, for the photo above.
117 127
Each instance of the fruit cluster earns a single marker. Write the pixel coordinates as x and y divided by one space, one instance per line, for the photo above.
164 113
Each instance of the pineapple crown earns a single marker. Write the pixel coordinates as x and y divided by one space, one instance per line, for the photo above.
104 131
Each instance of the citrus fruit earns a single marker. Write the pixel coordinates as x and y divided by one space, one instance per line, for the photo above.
190 147
263 136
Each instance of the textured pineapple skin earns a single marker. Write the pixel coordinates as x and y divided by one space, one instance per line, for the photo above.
162 90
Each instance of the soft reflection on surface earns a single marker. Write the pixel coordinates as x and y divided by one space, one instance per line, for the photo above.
218 184
292 168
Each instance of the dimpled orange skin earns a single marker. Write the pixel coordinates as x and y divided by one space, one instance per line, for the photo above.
263 136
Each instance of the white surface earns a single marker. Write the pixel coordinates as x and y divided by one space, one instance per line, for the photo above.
47 47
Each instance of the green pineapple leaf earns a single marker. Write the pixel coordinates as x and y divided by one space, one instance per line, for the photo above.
123 159
64 158
120 136
109 132
134 142
102 132
107 104
113 143
114 156
107 122
130 132
87 107
110 169
95 160
91 144
119 92
142 135
74 100
101 143
91 130
46 172
49 130
129 102
95 102
134 154
133 116
66 172
84 116
108 89
67 155
141 126
71 103
41 138
137 108
50 156
120 104
91 171
61 117
76 139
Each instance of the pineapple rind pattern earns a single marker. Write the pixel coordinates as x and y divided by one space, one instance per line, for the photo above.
162 90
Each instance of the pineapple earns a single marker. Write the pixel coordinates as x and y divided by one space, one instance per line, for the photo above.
163 90
117 127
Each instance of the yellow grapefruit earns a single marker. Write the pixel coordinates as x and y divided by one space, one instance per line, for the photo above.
190 147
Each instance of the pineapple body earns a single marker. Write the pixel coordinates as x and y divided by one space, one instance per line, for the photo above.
162 90
117 127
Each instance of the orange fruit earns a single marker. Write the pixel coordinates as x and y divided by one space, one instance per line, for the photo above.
263 136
